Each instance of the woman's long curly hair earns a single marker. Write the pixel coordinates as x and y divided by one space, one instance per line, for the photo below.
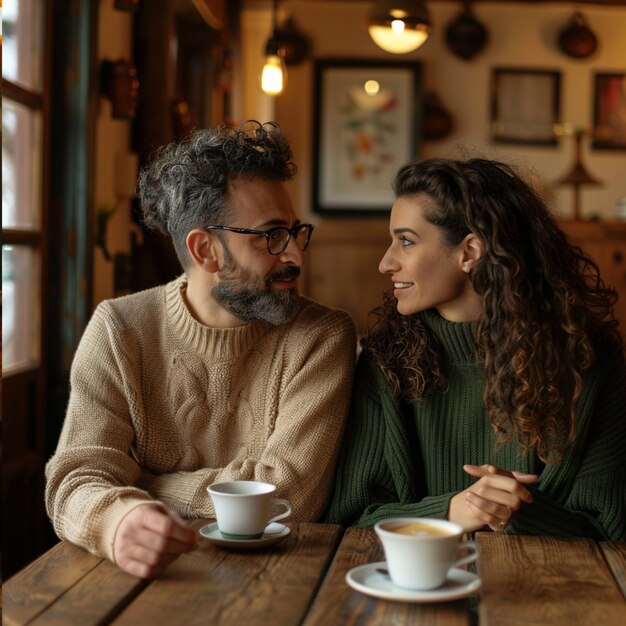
544 304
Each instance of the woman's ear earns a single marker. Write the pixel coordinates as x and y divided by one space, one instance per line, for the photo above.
205 250
473 251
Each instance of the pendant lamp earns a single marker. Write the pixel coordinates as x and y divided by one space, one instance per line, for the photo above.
273 76
399 26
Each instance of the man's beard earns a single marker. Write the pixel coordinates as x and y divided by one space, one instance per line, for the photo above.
239 293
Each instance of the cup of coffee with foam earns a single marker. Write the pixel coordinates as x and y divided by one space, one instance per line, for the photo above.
421 551
243 507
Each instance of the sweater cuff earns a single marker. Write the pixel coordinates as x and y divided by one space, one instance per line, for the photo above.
544 517
109 520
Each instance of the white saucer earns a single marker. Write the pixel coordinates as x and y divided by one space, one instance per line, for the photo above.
366 579
274 533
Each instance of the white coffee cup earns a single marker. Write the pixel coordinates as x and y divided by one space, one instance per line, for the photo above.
242 507
420 551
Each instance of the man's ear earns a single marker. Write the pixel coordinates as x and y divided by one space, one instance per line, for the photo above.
205 250
473 251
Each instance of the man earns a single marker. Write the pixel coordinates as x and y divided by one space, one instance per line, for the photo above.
223 374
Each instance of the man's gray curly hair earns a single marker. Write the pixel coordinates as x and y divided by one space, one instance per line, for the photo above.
185 185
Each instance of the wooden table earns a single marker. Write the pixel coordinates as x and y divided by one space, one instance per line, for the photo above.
526 581
301 581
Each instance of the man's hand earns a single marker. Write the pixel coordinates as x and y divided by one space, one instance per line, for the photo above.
149 538
492 499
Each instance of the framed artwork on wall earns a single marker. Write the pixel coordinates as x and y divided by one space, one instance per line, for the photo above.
609 111
525 105
366 125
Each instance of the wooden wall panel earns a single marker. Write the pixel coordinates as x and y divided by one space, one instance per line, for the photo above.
342 263
342 266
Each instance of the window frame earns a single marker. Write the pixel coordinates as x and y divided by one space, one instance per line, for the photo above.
34 237
24 388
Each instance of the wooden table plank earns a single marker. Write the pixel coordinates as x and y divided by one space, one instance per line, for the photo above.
39 585
526 580
337 603
263 587
615 555
546 581
95 599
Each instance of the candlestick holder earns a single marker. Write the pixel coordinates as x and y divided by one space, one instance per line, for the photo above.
578 175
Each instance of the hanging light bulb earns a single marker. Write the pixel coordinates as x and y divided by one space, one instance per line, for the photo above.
274 72
273 76
399 26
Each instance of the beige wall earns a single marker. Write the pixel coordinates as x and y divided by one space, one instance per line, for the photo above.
522 35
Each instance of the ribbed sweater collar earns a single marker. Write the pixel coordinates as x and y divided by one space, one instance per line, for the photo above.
457 338
218 343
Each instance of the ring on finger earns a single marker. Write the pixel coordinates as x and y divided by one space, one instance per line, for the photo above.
505 522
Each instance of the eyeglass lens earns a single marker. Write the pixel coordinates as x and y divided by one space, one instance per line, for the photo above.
279 239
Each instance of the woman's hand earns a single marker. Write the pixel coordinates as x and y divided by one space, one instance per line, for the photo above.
149 538
492 499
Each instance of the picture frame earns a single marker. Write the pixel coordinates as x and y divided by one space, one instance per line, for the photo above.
525 105
367 123
609 111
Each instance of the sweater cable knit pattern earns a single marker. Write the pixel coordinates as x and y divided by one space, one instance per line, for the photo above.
162 406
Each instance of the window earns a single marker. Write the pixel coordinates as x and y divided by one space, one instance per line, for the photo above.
25 129
23 113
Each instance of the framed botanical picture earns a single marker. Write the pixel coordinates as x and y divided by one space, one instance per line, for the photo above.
525 105
367 124
609 111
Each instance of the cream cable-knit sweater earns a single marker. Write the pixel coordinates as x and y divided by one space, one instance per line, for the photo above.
162 406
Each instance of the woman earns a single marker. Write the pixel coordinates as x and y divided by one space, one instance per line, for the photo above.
492 390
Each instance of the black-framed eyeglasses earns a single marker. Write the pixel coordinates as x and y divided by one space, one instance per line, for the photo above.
277 238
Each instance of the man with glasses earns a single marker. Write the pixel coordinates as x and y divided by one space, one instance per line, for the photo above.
223 374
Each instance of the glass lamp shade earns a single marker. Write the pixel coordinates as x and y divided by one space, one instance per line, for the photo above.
399 26
273 78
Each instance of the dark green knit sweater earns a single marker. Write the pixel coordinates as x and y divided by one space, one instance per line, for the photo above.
406 460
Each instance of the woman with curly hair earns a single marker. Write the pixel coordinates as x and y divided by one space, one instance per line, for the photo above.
492 389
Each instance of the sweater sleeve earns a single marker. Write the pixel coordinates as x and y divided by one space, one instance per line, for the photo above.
585 494
90 478
376 471
582 495
301 451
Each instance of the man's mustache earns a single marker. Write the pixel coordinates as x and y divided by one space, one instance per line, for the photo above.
287 274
